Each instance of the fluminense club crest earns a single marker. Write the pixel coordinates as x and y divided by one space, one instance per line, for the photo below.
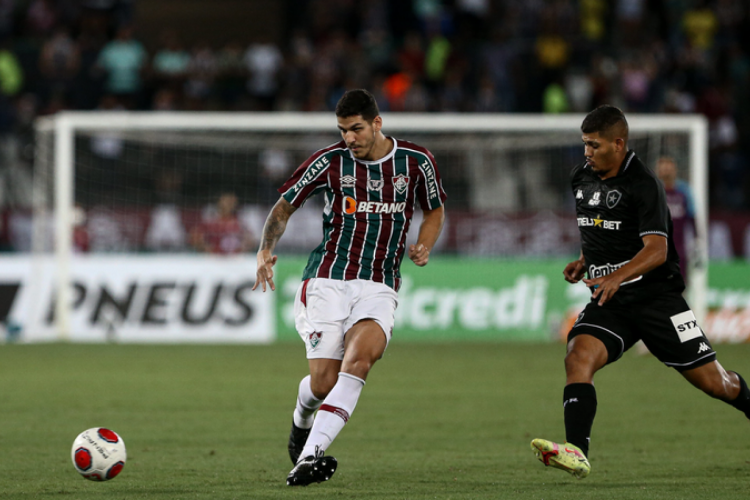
401 183
315 339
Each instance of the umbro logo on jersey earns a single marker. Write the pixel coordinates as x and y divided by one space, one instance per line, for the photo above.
596 199
400 182
703 347
372 207
348 181
613 198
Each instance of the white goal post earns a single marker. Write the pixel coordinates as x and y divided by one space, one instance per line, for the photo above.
64 127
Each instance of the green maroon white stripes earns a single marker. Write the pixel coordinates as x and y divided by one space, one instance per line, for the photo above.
369 207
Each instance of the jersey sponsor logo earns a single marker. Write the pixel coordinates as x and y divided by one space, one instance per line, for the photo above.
350 205
400 182
603 270
377 207
311 173
375 184
613 198
348 181
686 326
429 173
596 199
703 347
613 225
372 207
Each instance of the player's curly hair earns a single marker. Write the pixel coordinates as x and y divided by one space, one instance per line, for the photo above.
606 120
358 102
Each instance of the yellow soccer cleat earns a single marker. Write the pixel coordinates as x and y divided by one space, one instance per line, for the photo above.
566 456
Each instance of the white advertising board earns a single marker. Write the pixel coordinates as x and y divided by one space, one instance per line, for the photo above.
150 298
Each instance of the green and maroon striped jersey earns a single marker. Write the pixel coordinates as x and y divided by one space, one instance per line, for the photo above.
368 208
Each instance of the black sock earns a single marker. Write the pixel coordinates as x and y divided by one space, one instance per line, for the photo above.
579 403
742 402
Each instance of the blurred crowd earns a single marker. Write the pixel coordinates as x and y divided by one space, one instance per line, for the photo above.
510 56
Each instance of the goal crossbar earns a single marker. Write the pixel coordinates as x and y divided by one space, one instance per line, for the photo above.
65 124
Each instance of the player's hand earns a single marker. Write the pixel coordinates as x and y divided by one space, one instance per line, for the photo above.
574 271
419 254
264 274
604 287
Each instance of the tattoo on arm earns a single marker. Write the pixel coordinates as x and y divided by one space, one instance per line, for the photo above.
276 224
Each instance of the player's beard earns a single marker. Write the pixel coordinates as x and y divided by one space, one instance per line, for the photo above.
363 150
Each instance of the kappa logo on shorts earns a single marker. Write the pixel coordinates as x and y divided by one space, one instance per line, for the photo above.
315 338
703 348
686 326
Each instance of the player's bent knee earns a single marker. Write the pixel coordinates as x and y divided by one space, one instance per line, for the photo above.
578 360
322 385
359 367
580 365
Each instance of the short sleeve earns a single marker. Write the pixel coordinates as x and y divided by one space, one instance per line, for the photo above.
651 203
307 180
430 192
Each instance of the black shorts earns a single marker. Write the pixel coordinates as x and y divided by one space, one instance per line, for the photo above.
665 324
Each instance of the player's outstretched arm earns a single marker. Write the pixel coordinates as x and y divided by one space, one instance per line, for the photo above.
429 231
272 230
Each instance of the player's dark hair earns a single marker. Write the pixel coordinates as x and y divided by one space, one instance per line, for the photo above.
604 120
357 102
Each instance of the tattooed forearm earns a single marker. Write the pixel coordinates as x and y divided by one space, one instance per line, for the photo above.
276 224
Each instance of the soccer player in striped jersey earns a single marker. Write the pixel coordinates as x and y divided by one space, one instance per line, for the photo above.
345 305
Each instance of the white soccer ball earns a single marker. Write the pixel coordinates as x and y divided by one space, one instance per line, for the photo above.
98 454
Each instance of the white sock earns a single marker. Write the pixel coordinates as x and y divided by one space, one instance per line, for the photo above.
304 411
334 413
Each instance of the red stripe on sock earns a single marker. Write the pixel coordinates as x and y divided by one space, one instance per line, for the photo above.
336 411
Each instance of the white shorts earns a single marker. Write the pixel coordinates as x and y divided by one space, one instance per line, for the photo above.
325 309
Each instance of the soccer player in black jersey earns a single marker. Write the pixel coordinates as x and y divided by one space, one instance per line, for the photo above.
633 272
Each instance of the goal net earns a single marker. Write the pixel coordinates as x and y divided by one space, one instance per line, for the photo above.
141 183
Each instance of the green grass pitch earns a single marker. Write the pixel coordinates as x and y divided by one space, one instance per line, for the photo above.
435 421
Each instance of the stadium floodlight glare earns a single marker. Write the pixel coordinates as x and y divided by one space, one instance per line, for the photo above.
478 145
